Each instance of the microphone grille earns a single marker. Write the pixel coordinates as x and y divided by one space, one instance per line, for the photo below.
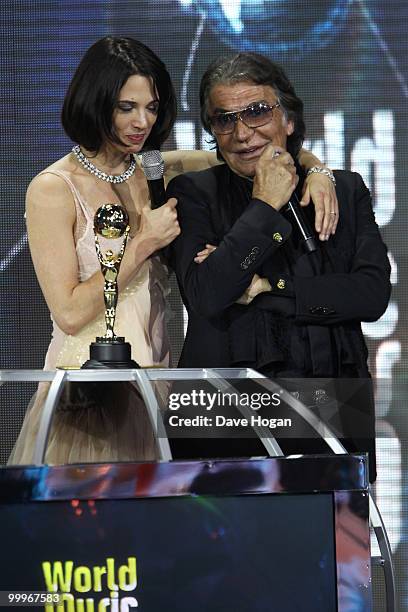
152 164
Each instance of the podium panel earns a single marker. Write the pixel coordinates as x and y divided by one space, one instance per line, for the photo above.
282 534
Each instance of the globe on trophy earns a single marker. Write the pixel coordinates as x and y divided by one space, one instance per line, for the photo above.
111 221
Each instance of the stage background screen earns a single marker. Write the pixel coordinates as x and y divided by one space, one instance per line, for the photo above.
348 60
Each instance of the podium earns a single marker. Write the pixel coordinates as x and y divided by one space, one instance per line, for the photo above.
336 489
267 534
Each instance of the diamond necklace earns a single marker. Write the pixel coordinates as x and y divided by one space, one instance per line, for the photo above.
109 178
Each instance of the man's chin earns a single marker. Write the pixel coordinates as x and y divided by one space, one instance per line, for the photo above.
246 170
242 172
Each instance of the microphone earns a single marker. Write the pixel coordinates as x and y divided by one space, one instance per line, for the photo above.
293 207
153 167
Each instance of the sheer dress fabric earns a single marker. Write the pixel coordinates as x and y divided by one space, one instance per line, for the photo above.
115 427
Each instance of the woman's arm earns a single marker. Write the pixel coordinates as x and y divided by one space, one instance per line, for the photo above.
317 187
321 190
361 294
50 223
179 162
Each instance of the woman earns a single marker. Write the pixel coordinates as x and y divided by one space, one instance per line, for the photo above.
120 101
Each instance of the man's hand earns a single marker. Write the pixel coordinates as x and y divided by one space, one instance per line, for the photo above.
202 255
258 285
275 178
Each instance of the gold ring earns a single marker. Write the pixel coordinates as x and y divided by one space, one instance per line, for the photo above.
332 212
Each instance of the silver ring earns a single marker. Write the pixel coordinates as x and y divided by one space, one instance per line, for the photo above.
332 212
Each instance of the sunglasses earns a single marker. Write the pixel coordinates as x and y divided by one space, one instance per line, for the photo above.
252 116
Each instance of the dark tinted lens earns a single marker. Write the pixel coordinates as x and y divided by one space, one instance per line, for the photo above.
223 123
257 115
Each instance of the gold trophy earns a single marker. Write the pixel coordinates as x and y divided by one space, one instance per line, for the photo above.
111 221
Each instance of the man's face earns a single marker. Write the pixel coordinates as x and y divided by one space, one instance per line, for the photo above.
242 148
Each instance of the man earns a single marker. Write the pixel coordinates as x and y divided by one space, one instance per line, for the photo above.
254 296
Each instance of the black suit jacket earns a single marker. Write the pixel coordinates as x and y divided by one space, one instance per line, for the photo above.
357 290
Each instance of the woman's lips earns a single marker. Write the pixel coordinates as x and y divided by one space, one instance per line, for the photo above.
135 138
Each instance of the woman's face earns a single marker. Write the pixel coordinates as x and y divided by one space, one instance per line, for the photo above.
135 113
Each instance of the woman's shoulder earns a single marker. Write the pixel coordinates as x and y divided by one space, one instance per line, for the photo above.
52 182
62 167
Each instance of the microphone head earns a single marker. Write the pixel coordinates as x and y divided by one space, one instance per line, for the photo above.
152 164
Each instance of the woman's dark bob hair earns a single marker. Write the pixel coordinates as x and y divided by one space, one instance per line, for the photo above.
259 70
93 92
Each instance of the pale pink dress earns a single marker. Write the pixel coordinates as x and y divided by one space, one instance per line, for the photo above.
118 432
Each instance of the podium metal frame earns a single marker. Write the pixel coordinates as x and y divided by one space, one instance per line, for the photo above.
219 379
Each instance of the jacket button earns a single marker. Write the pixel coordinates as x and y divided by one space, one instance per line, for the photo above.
277 237
281 284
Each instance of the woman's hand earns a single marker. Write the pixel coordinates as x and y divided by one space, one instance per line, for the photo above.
320 189
51 217
159 227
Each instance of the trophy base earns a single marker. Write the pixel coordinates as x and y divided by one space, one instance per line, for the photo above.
110 354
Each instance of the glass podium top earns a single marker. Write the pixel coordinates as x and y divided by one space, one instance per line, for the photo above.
128 375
